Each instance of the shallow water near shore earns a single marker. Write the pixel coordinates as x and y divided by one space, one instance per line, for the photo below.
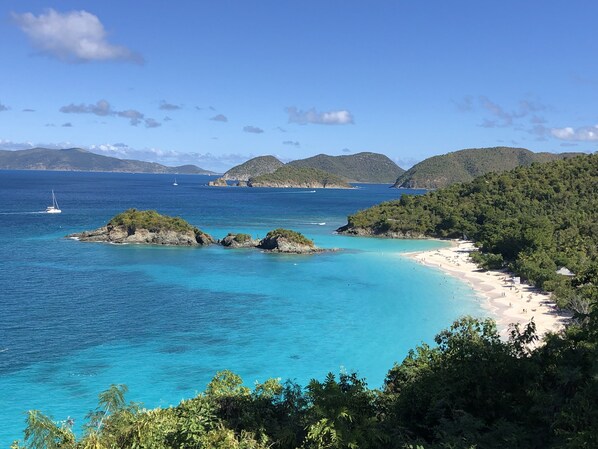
76 317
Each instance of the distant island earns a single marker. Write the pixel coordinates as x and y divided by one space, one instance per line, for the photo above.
257 166
300 177
465 165
78 159
340 171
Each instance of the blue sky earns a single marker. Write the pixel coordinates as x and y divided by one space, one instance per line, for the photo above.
214 83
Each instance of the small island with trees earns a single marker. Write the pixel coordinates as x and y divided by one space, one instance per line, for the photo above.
148 227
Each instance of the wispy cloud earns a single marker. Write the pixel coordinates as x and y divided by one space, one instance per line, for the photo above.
103 108
582 134
346 150
498 116
292 143
3 107
219 118
342 117
28 110
165 106
134 117
152 123
67 125
253 129
75 36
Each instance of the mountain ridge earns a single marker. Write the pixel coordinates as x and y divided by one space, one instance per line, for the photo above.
79 159
465 165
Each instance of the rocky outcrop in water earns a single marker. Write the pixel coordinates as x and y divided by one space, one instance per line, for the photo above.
146 227
287 241
239 241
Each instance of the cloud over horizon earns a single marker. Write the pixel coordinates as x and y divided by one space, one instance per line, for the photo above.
582 134
75 36
342 117
3 107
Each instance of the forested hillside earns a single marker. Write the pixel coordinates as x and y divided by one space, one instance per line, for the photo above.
533 219
465 165
359 167
257 166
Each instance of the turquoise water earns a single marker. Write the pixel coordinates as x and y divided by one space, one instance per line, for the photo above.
76 317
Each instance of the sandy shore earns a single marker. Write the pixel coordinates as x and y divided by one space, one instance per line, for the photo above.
506 300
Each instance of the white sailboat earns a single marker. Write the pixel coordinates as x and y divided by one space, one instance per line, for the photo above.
53 209
175 183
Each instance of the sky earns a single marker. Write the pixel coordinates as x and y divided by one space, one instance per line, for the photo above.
214 83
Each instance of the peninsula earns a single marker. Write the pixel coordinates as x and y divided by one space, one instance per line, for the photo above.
146 227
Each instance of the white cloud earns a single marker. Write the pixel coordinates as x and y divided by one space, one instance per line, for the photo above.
75 36
292 143
342 117
585 133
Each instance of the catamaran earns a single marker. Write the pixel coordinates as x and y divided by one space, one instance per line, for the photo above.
53 209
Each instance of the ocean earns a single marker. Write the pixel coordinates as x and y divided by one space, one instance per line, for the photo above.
77 317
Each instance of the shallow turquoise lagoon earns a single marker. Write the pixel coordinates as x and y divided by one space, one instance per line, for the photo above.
76 317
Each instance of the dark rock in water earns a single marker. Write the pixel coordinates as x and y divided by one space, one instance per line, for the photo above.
219 182
287 241
239 241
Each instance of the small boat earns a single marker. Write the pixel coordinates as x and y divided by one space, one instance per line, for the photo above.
175 183
53 209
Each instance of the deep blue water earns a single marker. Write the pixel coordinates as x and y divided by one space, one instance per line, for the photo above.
76 317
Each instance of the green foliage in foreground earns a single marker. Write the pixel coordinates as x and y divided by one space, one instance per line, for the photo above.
150 220
291 236
291 175
536 219
470 390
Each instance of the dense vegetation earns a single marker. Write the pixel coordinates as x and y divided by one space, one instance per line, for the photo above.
465 165
300 177
289 235
534 220
360 167
77 159
151 220
260 165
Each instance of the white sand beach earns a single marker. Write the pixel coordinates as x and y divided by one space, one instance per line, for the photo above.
507 301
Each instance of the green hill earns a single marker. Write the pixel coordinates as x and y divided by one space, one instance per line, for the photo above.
465 165
360 167
77 159
257 166
533 219
301 177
